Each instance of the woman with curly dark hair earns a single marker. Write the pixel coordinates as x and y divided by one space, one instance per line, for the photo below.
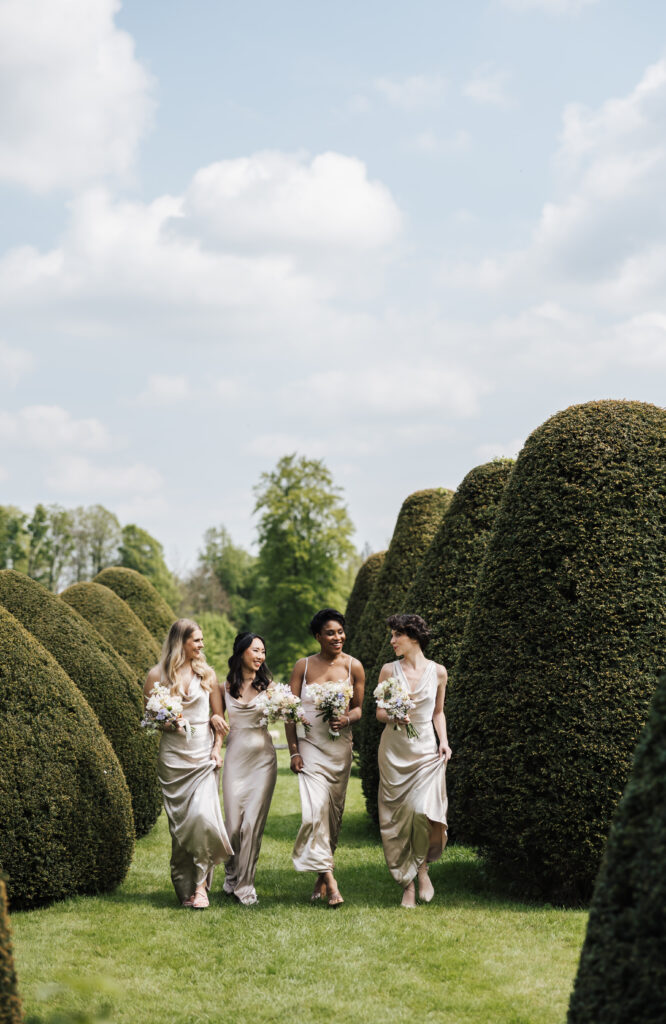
412 771
250 765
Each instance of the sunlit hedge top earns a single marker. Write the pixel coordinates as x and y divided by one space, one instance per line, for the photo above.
363 584
64 804
563 644
417 524
104 679
142 598
444 585
115 620
10 1004
622 972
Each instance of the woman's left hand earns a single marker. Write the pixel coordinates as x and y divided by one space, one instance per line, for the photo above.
219 724
339 723
444 750
216 758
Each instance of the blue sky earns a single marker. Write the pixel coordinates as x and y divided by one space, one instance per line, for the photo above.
397 237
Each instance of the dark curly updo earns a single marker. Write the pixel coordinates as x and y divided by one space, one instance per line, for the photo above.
411 625
321 618
235 677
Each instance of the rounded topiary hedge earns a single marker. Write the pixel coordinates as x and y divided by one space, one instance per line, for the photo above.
65 807
562 646
363 584
417 523
115 620
104 679
622 972
142 597
10 1004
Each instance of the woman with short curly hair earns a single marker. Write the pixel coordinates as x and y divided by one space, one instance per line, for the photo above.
412 772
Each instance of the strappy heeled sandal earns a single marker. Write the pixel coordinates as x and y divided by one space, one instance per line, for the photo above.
199 901
319 893
335 898
187 902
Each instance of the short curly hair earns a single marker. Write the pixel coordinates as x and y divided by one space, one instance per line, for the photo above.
326 615
412 626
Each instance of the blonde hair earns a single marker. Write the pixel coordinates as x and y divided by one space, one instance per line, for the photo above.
173 658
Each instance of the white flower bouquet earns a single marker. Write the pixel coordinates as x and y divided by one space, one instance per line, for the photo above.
393 696
278 703
330 700
164 708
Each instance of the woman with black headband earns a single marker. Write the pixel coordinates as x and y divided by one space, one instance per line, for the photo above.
250 765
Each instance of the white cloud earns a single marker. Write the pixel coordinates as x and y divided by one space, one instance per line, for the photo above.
78 475
14 364
74 101
162 389
488 87
413 92
280 200
50 427
549 6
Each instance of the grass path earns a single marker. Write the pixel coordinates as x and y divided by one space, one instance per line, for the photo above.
470 956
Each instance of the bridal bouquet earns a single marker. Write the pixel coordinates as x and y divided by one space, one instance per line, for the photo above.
331 700
279 704
393 696
164 708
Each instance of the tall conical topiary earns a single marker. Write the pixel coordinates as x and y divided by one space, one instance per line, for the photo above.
64 804
115 620
562 646
104 679
10 1003
622 972
417 523
142 597
363 584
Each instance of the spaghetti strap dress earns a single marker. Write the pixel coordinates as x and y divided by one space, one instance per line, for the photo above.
323 788
248 781
412 786
190 788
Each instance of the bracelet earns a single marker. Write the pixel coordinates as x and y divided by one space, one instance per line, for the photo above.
296 753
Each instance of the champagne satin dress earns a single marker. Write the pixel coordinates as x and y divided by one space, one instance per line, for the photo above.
248 781
190 782
323 788
412 786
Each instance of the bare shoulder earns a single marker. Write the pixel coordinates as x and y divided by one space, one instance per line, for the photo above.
442 674
152 678
387 670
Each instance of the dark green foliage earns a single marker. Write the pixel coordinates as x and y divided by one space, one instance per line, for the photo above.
115 620
105 680
142 598
64 804
563 645
363 584
417 524
10 1004
622 972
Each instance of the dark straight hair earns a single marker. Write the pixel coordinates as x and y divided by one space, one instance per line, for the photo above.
263 677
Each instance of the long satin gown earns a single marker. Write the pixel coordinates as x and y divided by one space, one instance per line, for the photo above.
412 786
248 781
190 783
323 787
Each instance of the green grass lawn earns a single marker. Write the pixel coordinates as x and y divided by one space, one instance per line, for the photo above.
472 955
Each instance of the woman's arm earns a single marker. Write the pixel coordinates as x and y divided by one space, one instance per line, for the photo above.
152 678
296 683
438 719
382 715
356 703
217 719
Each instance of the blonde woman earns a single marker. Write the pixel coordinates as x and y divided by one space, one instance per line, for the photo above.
188 767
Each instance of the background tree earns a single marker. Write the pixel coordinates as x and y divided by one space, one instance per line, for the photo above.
97 538
233 569
304 549
13 538
141 552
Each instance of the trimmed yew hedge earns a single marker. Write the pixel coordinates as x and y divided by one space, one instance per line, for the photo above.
104 679
363 584
65 807
622 972
563 645
142 597
10 1004
417 523
115 620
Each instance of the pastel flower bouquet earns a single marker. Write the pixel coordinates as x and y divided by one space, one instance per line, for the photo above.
164 708
279 703
330 700
393 696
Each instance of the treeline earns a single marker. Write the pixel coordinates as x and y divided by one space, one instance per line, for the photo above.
305 560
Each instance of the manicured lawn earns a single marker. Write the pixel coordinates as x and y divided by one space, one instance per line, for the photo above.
470 956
